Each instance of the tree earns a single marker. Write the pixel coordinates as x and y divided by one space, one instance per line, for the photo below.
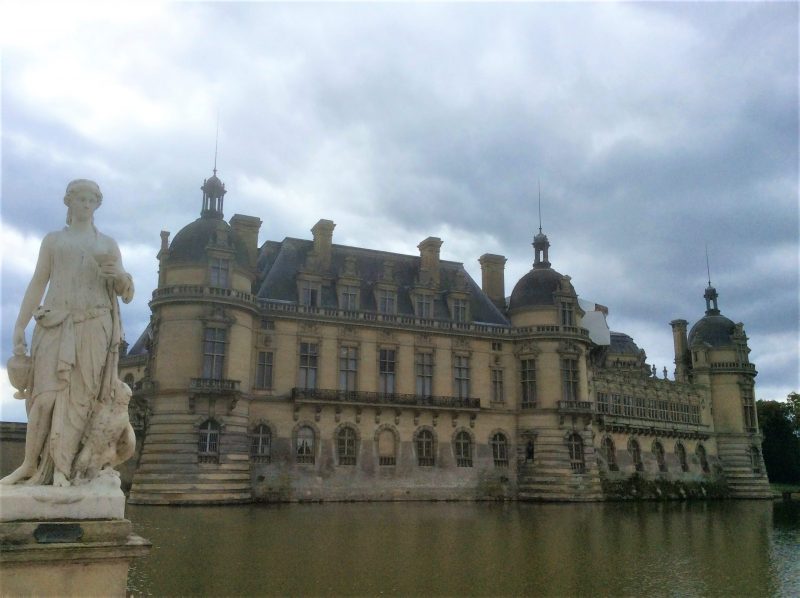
780 428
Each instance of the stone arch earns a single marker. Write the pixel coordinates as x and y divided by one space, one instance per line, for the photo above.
463 445
303 451
635 449
346 443
702 457
608 452
680 453
386 453
426 445
657 448
501 451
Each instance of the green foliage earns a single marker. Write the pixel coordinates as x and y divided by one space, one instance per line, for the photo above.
780 426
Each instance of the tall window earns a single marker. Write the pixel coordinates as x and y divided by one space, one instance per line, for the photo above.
348 368
755 459
386 301
424 446
627 405
602 402
348 298
309 294
461 375
424 367
264 370
386 371
424 306
304 450
386 448
208 445
463 449
460 310
569 379
497 386
213 353
658 451
610 453
575 445
639 409
261 444
636 455
749 409
528 379
218 272
566 314
346 446
680 451
308 365
500 449
703 458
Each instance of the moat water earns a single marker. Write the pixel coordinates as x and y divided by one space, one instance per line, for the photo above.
731 548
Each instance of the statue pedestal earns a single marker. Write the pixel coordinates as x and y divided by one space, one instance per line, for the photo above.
71 541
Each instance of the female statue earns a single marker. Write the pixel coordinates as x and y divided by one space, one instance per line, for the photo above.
74 348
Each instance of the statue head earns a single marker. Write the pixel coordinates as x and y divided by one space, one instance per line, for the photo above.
80 187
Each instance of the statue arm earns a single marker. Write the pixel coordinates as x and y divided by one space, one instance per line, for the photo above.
123 282
33 295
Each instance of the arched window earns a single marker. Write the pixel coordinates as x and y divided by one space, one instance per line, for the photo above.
681 452
463 449
636 454
208 445
701 455
387 454
658 451
261 444
575 445
755 459
304 449
500 449
346 446
128 380
424 445
610 453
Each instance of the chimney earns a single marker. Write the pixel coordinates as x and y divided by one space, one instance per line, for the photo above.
429 259
163 252
323 238
493 278
681 350
246 228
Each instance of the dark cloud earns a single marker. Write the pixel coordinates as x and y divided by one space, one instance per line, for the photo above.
654 129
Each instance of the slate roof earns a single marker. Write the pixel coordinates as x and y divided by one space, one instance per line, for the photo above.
535 288
189 245
280 263
622 344
714 330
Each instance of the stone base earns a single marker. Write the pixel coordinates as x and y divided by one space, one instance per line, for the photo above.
70 541
67 558
100 499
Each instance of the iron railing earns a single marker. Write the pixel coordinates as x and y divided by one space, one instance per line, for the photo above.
380 398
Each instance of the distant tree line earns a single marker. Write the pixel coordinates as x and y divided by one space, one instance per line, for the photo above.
780 427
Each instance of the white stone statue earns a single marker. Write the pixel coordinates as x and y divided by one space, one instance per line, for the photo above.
77 406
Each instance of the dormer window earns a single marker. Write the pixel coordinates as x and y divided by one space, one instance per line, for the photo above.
218 272
567 315
348 297
308 293
424 305
458 309
387 301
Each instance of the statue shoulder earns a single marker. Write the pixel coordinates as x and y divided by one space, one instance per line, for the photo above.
107 243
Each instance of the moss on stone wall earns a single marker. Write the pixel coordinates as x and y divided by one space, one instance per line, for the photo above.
637 487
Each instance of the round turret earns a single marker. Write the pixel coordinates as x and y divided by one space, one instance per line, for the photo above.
714 330
192 241
535 288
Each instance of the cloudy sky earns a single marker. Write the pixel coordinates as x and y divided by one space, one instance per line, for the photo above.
653 128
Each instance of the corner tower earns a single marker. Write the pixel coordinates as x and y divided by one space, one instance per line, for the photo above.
718 360
202 324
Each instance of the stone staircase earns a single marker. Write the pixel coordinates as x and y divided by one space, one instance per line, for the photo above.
743 481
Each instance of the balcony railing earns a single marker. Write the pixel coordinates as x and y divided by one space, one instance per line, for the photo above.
379 398
214 385
576 407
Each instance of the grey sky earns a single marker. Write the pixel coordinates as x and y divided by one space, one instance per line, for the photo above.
654 129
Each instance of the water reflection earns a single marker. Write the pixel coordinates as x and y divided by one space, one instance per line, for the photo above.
721 548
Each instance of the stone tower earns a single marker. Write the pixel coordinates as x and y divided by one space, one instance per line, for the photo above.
202 314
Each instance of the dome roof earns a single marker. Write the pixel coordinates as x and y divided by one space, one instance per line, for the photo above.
622 344
535 288
213 186
713 329
190 244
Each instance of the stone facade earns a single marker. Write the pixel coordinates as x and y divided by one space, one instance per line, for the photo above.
306 370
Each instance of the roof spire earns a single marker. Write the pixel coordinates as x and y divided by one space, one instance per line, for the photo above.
540 205
216 144
712 309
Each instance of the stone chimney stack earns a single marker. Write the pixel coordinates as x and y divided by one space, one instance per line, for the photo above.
246 228
681 350
163 252
429 259
323 239
493 278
